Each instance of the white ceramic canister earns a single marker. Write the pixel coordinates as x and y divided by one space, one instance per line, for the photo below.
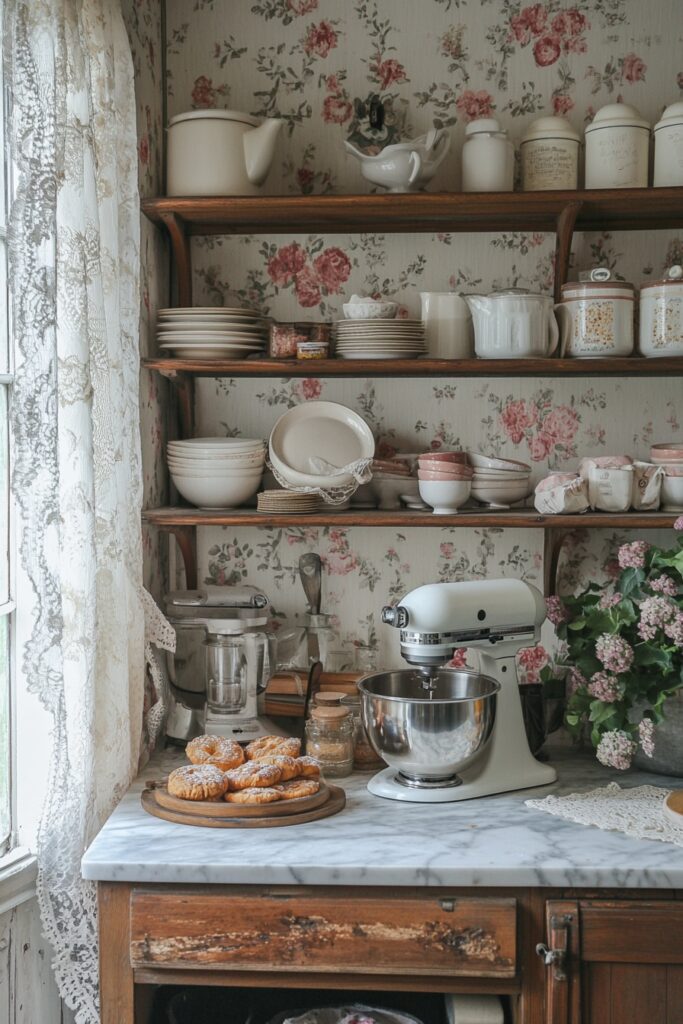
617 147
488 157
596 319
219 153
661 316
668 133
550 155
513 324
448 325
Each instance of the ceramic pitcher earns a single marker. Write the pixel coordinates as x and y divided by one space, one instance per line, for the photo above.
513 324
448 325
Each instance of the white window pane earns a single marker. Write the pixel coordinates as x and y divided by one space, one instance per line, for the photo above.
5 822
4 320
4 498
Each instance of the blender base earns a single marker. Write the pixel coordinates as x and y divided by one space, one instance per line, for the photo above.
244 730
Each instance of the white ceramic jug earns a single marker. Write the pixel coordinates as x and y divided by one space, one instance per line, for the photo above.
405 166
448 325
219 153
513 324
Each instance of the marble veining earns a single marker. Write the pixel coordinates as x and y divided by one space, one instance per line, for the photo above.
495 841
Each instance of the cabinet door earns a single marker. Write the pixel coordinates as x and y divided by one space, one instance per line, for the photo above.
614 962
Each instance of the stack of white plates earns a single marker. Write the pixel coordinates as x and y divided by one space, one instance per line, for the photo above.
499 482
379 339
217 472
210 332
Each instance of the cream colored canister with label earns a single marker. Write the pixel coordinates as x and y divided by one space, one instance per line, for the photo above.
550 155
617 148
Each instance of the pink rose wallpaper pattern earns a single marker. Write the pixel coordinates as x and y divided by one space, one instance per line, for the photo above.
317 65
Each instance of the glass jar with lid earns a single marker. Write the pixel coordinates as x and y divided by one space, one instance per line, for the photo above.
364 757
329 739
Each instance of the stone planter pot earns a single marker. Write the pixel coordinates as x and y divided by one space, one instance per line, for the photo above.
668 755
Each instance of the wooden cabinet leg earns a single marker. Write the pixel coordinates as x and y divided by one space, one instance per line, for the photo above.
117 991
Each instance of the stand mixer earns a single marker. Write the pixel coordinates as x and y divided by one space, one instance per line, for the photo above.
451 734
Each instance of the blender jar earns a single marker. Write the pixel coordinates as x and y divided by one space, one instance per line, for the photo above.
226 674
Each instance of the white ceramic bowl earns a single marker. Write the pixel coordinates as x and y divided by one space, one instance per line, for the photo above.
480 461
210 474
218 464
212 492
500 475
370 310
504 493
445 496
672 493
232 443
387 491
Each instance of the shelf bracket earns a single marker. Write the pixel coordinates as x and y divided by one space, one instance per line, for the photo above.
563 244
180 242
183 387
186 539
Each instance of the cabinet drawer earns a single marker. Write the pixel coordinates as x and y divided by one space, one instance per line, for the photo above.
343 934
637 931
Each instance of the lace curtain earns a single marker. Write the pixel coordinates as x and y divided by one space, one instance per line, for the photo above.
74 269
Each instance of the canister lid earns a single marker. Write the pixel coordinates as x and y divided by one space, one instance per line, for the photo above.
550 128
329 698
330 714
215 115
674 275
673 115
617 115
486 125
596 287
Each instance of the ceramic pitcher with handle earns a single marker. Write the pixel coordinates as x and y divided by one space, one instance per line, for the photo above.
513 324
448 325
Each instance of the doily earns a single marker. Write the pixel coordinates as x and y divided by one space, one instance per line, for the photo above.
637 812
360 472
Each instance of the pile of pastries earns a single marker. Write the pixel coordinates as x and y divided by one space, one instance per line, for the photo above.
268 769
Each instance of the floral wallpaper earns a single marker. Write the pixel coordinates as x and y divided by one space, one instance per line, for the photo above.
317 65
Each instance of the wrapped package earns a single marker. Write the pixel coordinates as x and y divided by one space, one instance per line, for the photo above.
646 486
609 490
561 493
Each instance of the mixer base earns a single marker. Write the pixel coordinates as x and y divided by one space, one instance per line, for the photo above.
386 784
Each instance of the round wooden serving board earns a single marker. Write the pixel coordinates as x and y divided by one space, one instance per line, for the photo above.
328 800
673 807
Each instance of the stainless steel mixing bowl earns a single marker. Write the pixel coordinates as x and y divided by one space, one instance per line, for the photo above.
428 736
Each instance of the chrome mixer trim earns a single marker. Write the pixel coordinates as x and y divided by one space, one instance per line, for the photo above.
462 637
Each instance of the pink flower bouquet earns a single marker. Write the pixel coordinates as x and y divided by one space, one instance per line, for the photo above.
625 648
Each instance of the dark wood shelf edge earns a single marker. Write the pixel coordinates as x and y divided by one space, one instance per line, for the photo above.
174 518
618 367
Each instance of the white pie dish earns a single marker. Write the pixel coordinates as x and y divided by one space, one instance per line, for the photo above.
319 430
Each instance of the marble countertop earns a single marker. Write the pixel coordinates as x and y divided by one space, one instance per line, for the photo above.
495 841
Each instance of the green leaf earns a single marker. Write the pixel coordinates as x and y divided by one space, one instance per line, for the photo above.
576 624
630 581
650 654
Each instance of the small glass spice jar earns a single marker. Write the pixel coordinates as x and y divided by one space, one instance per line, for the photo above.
329 739
364 757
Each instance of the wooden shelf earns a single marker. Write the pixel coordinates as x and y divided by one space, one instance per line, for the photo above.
622 367
170 518
600 209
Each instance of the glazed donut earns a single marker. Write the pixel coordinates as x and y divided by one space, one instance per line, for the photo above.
297 788
307 767
217 750
273 745
253 774
287 766
197 782
267 795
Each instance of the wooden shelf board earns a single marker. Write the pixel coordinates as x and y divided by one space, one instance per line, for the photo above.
168 518
601 209
622 367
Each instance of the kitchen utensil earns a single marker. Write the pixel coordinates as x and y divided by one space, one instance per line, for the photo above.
404 166
458 457
617 147
668 136
488 157
287 502
513 324
672 491
387 490
596 319
431 724
312 444
550 155
480 461
217 492
445 496
661 315
219 153
669 451
673 806
327 801
448 325
360 307
342 1015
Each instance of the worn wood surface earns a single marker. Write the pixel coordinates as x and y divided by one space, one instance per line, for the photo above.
28 992
563 979
617 993
117 995
323 805
407 936
633 366
638 931
601 209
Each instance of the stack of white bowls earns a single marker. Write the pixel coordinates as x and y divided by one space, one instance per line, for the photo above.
217 472
499 483
445 480
670 457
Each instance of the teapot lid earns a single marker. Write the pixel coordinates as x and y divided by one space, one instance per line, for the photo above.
617 115
483 124
215 115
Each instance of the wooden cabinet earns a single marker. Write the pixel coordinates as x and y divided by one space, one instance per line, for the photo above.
614 962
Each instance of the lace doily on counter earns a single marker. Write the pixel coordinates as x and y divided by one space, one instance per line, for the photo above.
637 812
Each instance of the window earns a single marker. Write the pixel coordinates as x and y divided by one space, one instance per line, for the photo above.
6 604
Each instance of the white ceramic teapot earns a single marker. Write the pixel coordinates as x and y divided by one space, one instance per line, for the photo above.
513 324
219 153
405 166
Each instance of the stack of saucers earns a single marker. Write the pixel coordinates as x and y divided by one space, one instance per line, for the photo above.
390 480
287 502
379 339
670 457
210 332
499 483
217 472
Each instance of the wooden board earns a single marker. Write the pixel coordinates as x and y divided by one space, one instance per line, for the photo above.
673 807
222 809
335 802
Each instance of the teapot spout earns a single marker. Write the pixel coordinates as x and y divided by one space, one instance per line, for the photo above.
259 148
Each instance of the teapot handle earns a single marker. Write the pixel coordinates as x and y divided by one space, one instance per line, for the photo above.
416 163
